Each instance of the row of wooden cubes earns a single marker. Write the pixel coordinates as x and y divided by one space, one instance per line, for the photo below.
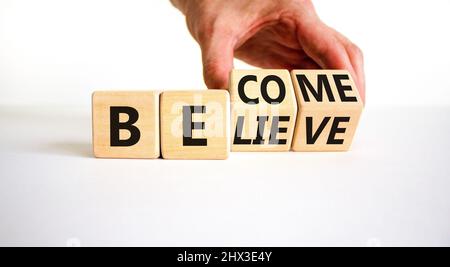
271 110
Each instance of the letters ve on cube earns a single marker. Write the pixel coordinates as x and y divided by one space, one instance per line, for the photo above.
269 110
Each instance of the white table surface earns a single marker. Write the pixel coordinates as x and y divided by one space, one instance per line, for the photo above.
392 188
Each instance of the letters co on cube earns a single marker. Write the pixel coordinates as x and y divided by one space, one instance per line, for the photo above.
271 110
263 110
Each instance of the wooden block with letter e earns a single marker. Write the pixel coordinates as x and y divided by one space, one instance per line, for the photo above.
263 110
125 124
195 124
329 108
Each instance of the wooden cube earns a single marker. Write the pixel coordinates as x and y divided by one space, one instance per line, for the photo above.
329 107
263 110
195 124
125 124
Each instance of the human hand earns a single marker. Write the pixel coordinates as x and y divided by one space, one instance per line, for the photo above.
284 34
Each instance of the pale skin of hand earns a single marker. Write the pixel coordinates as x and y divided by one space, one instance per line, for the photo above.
271 34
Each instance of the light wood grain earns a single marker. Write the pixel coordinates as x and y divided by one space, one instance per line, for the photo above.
244 115
316 110
147 105
215 117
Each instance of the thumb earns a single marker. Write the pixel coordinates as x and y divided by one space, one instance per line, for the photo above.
321 44
217 57
330 51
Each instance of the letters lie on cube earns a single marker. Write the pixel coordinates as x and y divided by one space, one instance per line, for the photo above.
263 110
125 124
329 108
195 124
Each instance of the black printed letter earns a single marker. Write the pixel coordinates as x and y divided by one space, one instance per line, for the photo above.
335 129
116 126
188 126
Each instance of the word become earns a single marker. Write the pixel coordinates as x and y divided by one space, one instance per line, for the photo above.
263 110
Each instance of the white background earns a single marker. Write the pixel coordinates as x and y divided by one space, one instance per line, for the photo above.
392 188
58 52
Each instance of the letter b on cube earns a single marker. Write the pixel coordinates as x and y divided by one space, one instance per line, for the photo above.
125 124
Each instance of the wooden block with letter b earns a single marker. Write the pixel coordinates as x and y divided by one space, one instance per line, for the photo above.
263 110
329 108
125 124
195 124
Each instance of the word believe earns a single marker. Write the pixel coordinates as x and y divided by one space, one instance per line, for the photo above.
263 110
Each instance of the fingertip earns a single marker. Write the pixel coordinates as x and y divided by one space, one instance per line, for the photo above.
362 91
357 60
216 76
330 50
